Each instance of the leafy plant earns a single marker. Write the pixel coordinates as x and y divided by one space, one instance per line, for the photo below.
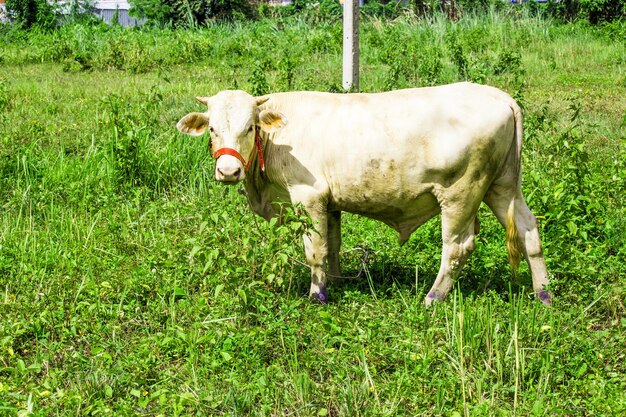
286 71
258 79
458 55
430 66
508 61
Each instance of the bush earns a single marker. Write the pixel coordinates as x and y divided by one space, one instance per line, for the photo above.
190 13
593 11
390 10
479 6
78 11
29 13
598 11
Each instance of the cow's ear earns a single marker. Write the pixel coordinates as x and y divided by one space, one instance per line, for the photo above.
270 121
203 100
194 124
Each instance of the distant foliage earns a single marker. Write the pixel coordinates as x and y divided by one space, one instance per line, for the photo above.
30 13
593 11
78 11
390 10
190 13
312 11
48 15
324 9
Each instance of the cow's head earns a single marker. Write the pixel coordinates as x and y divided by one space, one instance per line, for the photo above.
231 118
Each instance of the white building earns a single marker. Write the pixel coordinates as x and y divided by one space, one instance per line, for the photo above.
105 9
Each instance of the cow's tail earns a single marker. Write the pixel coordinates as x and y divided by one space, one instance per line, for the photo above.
519 135
512 237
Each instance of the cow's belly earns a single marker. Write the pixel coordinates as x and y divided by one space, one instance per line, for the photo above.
404 213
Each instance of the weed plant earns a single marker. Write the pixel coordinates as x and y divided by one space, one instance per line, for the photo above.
132 284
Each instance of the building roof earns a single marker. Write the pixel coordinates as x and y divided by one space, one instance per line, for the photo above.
112 4
101 4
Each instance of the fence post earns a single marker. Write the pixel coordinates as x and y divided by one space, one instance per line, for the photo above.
351 45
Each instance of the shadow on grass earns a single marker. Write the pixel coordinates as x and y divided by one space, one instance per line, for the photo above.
382 276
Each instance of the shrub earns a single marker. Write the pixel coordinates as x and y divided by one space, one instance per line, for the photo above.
79 11
478 6
391 10
313 10
29 13
597 11
190 13
593 11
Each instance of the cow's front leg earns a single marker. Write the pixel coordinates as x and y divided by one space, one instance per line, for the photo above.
334 244
316 250
315 202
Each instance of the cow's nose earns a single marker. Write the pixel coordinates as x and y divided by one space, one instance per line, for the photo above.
228 174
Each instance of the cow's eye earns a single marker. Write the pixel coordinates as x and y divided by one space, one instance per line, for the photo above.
211 129
250 129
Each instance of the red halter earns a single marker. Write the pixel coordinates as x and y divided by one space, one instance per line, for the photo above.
236 154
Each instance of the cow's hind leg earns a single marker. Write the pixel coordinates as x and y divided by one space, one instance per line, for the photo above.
509 206
458 244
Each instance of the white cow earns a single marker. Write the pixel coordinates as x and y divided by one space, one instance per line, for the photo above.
401 157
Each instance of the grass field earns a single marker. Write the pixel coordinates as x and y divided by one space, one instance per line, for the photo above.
132 284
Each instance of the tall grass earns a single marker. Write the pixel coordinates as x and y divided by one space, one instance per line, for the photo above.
130 283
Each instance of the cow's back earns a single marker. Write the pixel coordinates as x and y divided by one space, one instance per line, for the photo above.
428 126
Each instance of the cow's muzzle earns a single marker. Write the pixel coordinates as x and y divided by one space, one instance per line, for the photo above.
229 175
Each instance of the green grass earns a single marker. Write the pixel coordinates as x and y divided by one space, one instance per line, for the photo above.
132 284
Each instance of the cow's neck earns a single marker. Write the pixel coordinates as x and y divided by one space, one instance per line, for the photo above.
257 183
257 173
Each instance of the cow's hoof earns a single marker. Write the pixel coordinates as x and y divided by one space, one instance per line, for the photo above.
545 297
321 296
433 297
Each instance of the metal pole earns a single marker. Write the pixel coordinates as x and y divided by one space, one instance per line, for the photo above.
351 45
